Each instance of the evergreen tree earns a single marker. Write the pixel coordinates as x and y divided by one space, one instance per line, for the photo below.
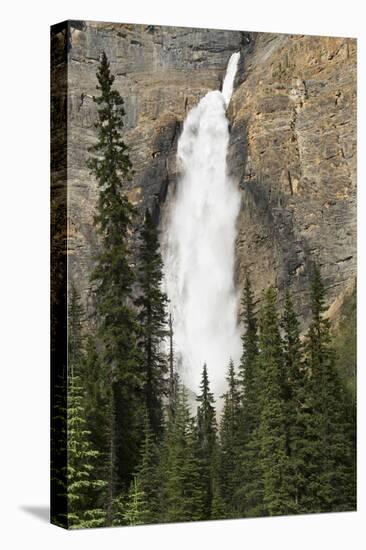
59 453
136 505
206 434
273 455
249 493
173 375
330 476
247 368
149 475
152 319
118 509
345 342
113 278
294 387
82 485
230 441
98 414
219 509
182 498
84 362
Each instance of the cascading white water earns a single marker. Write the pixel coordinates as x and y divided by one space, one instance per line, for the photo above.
228 84
198 238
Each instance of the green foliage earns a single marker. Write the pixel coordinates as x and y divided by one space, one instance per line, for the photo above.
152 320
294 388
206 416
273 453
297 423
248 368
59 453
345 340
286 442
149 474
173 375
116 514
82 485
230 443
182 498
247 365
112 160
98 404
218 506
206 436
113 278
136 505
328 454
249 492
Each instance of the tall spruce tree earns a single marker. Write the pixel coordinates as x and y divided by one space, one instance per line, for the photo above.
113 278
206 434
94 374
59 503
182 496
328 453
152 317
135 509
149 474
294 388
230 442
84 362
247 365
248 496
273 453
82 484
173 375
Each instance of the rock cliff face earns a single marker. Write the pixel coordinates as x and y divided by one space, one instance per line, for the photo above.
292 149
161 72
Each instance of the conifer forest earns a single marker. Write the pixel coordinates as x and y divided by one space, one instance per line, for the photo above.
268 426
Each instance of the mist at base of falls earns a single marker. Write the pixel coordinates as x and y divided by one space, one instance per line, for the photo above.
198 244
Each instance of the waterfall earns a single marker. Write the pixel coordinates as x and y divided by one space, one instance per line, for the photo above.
198 239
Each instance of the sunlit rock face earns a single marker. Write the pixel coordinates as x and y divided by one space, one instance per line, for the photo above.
292 142
293 151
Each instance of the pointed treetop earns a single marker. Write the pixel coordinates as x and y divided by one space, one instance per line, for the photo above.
206 394
317 294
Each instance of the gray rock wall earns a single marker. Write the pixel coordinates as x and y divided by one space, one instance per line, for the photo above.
292 146
161 72
293 152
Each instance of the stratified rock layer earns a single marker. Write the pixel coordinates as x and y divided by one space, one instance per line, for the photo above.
293 152
292 148
161 72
